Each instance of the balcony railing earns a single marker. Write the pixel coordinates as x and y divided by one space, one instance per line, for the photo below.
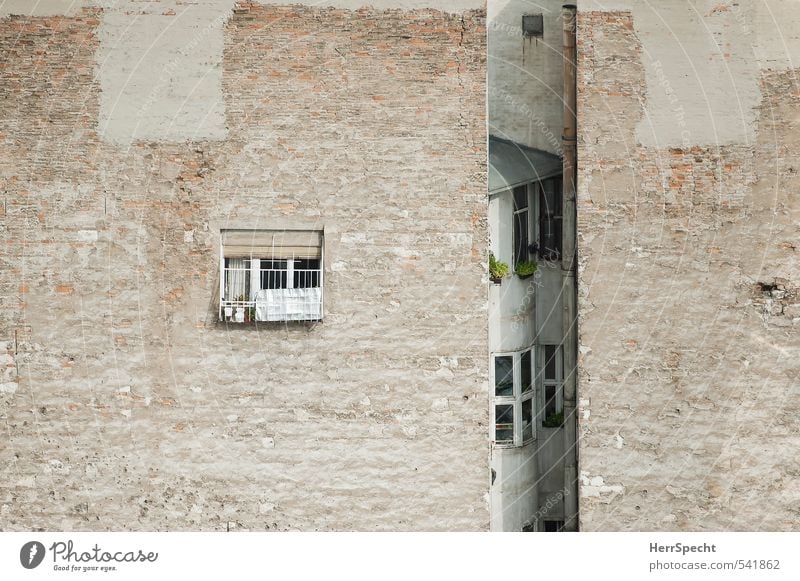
279 294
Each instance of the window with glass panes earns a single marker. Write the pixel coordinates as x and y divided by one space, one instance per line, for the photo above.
513 398
551 375
521 224
550 219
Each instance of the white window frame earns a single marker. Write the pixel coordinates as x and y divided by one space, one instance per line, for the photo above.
516 399
255 275
543 383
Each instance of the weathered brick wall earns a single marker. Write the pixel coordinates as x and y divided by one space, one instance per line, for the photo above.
688 309
127 407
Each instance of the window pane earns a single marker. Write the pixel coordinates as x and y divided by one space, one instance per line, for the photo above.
553 526
525 372
551 198
550 361
504 375
549 401
527 420
504 423
273 274
306 273
520 198
520 237
550 216
558 194
237 279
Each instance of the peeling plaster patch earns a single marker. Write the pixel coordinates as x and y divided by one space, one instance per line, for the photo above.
778 301
595 486
9 380
87 235
161 74
440 405
56 467
701 87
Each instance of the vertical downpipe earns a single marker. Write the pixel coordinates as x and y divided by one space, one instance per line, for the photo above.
568 270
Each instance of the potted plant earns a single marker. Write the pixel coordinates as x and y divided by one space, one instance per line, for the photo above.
498 270
525 269
553 420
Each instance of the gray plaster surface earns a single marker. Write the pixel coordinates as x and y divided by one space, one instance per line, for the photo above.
701 60
521 68
160 71
41 7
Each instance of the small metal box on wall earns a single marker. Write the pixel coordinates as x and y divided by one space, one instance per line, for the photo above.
533 25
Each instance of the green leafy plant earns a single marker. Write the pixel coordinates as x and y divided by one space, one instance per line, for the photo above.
554 420
497 269
526 268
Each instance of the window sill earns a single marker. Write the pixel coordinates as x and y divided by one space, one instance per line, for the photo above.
504 446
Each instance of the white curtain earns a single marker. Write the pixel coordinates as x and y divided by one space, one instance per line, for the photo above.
289 304
235 281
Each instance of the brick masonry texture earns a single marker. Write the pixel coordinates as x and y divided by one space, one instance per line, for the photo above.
688 316
128 406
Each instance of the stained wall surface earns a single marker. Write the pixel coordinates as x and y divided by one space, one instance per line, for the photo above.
526 74
125 405
688 287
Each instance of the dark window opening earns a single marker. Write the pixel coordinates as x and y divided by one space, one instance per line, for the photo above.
525 372
553 526
527 420
504 424
306 273
504 375
550 366
273 274
550 401
550 219
521 227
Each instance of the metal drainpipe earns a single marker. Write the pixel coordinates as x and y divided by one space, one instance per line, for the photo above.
568 270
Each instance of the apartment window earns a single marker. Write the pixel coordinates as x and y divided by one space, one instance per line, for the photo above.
270 275
513 398
521 224
551 376
550 219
